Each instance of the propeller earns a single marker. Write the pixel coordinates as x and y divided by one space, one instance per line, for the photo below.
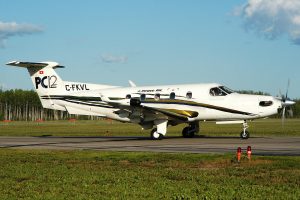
286 104
290 112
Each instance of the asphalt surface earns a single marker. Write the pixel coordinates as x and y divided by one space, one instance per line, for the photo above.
260 145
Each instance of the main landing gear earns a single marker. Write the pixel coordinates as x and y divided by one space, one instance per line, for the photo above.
160 131
245 134
189 131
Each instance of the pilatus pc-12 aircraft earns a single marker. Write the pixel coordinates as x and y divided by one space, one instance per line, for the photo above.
152 107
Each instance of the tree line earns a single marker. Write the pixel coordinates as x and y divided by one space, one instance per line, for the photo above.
25 105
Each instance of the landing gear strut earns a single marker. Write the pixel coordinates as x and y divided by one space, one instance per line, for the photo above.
245 134
189 131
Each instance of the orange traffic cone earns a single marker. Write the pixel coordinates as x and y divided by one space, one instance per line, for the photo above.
249 152
239 154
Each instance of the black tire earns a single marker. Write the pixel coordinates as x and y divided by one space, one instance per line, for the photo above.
244 135
153 137
186 133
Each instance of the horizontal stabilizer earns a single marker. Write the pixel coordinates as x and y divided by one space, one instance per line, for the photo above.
34 64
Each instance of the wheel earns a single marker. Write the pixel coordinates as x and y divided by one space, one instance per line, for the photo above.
186 133
245 135
156 135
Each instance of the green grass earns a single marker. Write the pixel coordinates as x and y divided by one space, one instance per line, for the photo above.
267 127
45 174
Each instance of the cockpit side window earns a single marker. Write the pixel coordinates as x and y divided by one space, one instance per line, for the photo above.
220 91
216 91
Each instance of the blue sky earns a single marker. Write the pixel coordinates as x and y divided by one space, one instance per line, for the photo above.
235 42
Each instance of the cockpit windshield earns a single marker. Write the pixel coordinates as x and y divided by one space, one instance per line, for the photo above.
227 90
220 91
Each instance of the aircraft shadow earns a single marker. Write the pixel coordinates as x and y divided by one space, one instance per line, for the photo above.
101 139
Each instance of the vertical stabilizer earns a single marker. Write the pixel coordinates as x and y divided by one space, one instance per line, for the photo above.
45 80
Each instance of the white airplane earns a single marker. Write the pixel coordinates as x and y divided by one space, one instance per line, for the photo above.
152 107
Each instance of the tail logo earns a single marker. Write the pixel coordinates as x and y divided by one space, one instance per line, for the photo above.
46 82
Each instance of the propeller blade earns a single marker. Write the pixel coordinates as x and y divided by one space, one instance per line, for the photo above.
287 89
283 117
286 104
280 95
290 112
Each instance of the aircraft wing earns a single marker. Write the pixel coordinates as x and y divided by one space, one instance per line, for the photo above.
128 104
167 112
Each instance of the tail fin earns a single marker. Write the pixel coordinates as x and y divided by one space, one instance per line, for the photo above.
45 80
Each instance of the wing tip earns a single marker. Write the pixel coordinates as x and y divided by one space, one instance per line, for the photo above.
14 62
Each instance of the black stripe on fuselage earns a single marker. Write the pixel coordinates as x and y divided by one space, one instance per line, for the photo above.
72 97
88 104
191 103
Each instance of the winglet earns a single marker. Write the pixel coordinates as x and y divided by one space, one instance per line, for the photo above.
131 83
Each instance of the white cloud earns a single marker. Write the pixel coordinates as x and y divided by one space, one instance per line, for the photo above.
109 58
10 29
272 18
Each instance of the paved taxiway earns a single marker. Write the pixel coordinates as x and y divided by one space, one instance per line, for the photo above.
260 145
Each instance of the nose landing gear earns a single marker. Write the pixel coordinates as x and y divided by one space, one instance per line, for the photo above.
245 134
156 135
161 129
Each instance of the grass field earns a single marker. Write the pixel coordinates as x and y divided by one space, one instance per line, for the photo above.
48 174
267 127
44 174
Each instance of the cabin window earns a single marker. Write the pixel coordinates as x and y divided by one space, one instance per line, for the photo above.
172 95
157 97
128 96
265 103
143 97
189 95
